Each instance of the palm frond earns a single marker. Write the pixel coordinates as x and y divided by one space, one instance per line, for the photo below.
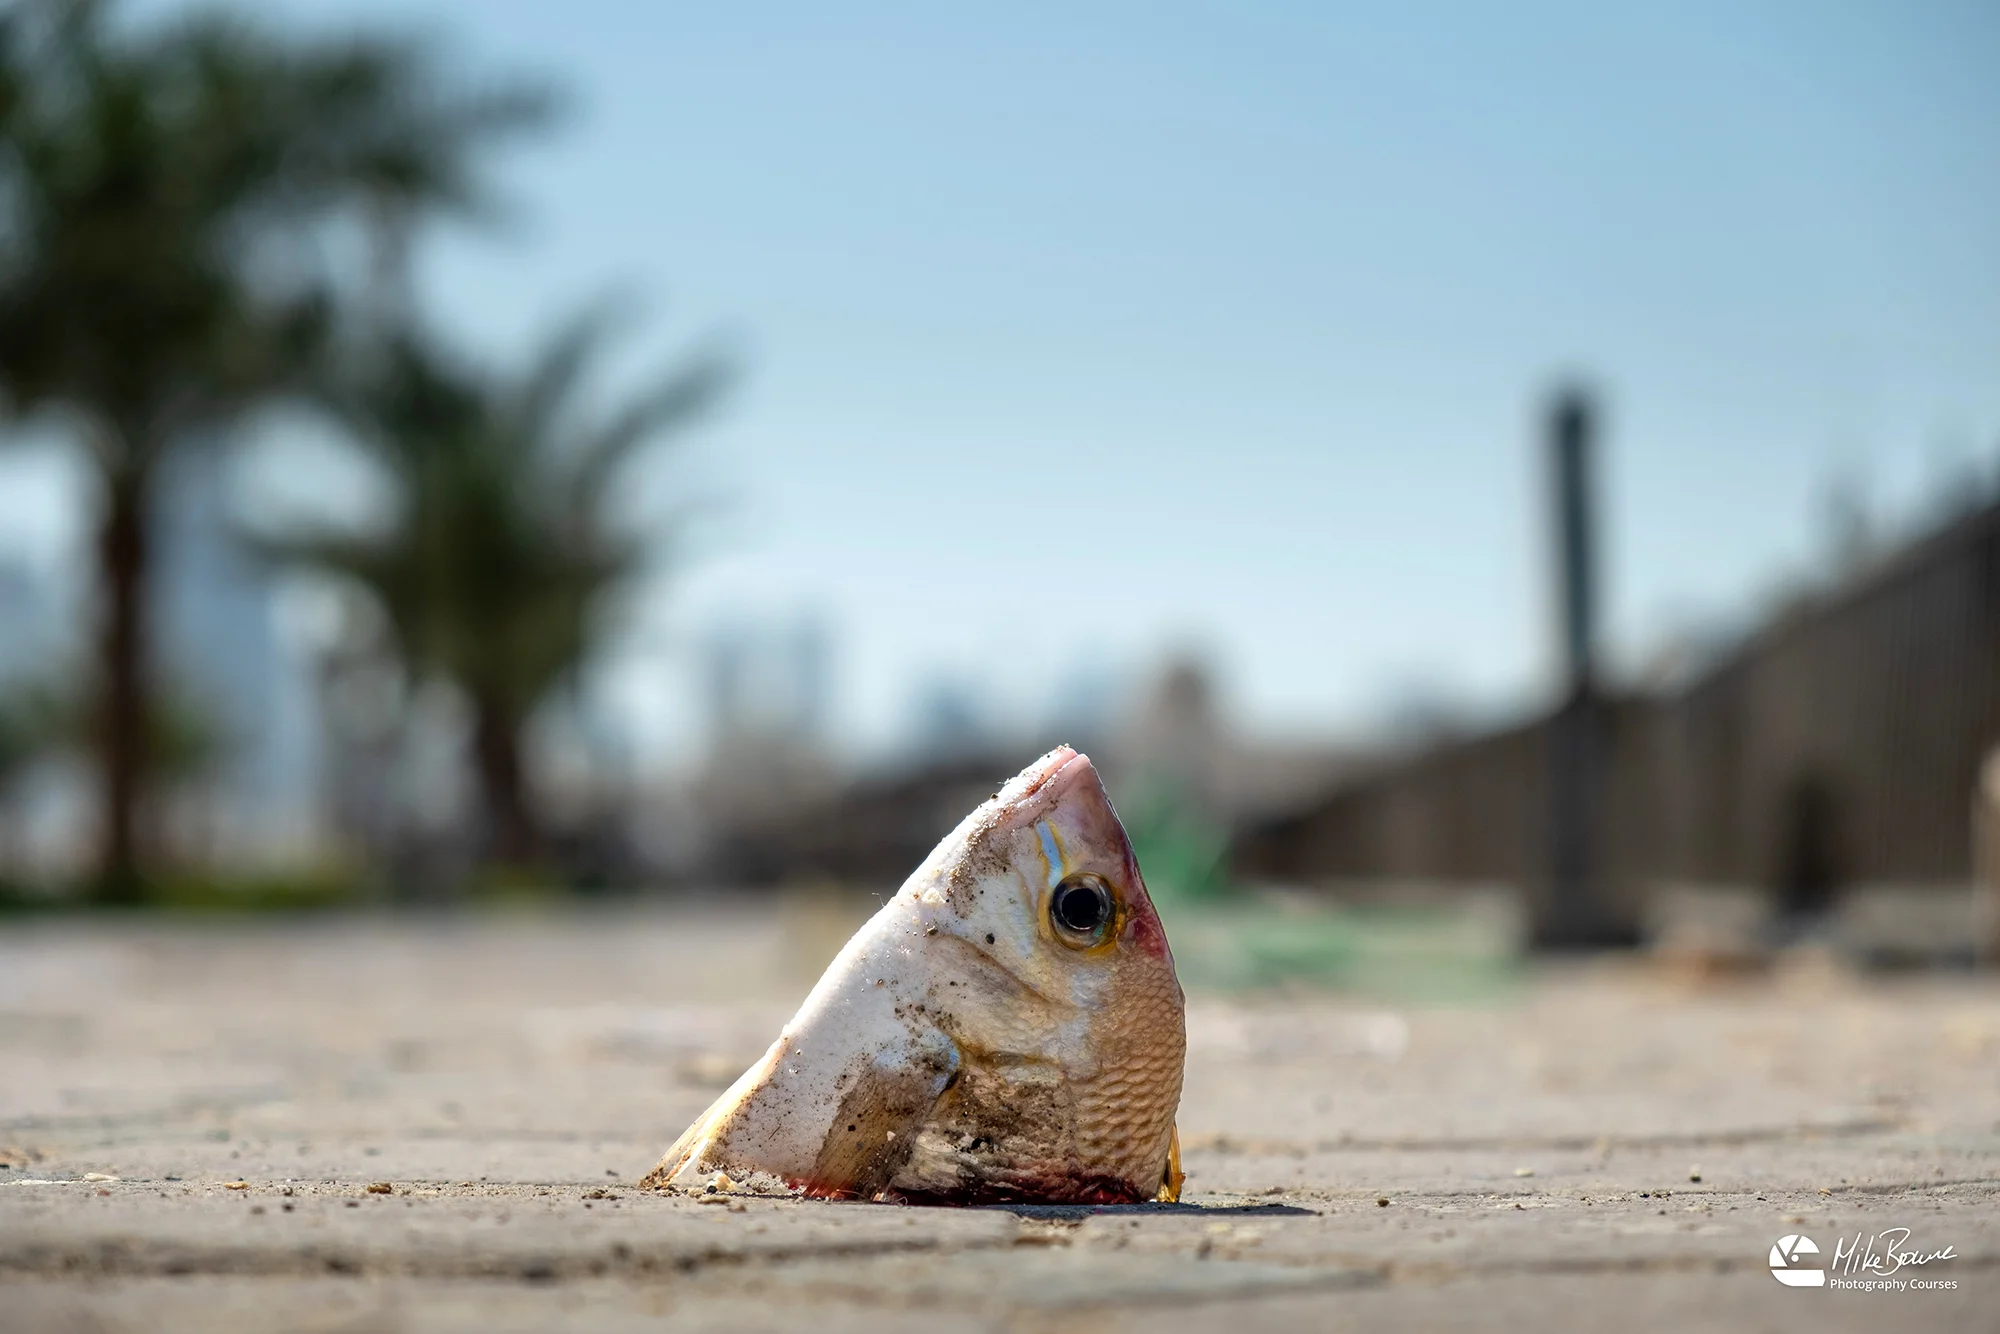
556 374
505 547
673 400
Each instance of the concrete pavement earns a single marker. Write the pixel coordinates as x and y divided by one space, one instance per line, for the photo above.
193 1117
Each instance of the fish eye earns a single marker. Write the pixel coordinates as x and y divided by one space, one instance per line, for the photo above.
1080 909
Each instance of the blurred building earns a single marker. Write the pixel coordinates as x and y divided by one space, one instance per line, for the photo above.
237 717
1164 744
1842 742
31 622
255 794
1833 750
767 690
43 801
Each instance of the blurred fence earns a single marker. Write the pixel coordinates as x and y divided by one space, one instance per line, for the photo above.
1838 748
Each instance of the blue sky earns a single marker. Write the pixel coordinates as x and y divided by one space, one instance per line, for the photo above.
1074 333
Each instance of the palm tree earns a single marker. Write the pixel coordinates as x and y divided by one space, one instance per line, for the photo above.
503 544
30 727
165 194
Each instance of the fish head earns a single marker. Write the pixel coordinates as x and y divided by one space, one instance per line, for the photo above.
1007 1027
1046 869
1057 954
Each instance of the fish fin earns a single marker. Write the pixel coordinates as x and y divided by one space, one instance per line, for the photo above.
876 1127
1173 1178
711 1127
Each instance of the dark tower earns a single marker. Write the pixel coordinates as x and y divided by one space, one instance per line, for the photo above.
1569 910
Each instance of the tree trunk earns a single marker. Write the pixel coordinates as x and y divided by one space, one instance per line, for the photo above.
124 713
511 835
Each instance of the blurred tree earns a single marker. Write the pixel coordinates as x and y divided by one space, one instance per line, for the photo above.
48 715
503 543
165 198
51 714
30 726
27 731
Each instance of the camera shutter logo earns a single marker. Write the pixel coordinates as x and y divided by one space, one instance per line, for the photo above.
1785 1263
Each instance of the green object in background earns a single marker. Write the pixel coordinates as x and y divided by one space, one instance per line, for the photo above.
1230 937
196 895
1183 854
279 892
1431 953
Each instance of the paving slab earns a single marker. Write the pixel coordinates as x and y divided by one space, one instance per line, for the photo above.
192 1118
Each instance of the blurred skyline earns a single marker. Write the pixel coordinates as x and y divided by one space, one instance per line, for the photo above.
1074 339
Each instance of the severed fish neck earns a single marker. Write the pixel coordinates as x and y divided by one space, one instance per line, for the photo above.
1008 1028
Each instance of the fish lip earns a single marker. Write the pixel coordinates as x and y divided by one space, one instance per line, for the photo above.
1058 772
1050 770
1077 761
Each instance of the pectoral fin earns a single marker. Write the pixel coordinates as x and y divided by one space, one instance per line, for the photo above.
1173 1178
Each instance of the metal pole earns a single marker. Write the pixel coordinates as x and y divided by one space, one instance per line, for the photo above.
1568 913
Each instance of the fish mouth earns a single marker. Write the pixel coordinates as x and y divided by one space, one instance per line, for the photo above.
1073 767
1042 783
1045 771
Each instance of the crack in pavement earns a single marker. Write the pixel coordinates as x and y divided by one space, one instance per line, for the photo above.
113 1259
1230 1277
1237 1144
121 1258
